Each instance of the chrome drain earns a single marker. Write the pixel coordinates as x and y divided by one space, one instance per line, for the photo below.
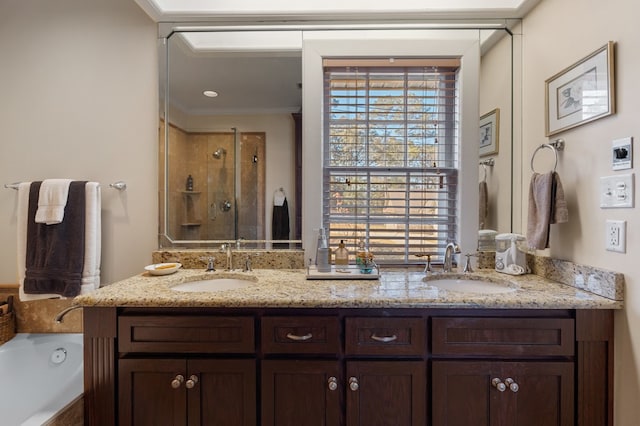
58 356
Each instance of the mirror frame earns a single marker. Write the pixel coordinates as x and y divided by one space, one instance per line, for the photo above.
167 29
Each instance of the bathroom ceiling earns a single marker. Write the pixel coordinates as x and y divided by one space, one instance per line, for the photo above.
207 10
235 72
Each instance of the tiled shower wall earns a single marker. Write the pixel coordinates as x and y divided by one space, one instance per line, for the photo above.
210 210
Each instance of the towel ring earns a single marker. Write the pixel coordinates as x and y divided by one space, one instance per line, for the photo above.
552 148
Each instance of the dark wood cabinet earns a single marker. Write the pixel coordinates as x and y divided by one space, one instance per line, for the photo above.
382 393
353 389
348 367
502 393
301 393
188 392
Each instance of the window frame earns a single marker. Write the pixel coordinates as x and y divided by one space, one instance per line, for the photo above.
410 229
317 45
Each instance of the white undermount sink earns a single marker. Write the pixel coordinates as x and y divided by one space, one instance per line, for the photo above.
466 285
214 284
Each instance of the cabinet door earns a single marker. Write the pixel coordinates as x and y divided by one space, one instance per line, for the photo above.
545 394
383 393
224 394
301 393
151 393
464 393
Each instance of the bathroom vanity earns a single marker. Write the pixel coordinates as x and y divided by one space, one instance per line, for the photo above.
398 351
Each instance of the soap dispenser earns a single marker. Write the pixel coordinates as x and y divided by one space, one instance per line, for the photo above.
342 254
323 253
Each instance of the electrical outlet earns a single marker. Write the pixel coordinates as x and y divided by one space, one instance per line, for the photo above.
616 235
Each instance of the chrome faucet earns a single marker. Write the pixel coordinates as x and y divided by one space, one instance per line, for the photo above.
227 249
58 318
451 249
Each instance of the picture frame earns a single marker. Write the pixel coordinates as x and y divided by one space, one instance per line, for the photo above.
582 92
489 136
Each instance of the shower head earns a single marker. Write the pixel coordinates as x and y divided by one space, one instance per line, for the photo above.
219 153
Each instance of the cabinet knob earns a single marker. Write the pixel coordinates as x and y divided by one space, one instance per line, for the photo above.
353 384
332 383
498 384
298 338
177 381
383 339
191 382
513 386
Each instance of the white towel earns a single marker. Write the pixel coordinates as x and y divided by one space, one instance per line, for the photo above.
93 240
52 200
279 197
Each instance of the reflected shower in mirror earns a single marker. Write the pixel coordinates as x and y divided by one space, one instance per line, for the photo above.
231 101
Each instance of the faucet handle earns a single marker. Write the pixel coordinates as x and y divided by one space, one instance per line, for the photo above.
247 264
211 261
467 265
427 266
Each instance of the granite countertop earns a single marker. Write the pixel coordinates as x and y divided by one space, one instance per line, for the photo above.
278 288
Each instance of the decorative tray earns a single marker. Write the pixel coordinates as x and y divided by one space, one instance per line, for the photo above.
346 272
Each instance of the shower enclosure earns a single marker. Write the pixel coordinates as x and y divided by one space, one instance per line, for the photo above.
227 200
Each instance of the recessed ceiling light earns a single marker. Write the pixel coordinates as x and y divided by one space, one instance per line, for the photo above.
210 93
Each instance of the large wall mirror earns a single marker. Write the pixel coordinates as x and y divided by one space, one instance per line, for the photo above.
231 100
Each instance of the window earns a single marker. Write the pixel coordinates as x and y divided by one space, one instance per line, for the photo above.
390 172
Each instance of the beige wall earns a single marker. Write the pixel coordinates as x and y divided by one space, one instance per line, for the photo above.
79 99
556 34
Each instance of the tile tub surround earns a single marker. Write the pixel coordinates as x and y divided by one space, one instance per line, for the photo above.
37 316
291 289
260 259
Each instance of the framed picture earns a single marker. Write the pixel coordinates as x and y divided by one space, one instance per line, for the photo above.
582 92
489 132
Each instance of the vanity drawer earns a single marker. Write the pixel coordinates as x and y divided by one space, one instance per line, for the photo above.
385 336
503 337
186 334
313 334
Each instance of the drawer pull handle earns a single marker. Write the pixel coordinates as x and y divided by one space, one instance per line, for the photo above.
353 384
297 338
332 383
513 386
177 381
498 384
191 382
383 339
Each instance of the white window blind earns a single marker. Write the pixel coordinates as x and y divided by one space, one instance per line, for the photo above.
390 157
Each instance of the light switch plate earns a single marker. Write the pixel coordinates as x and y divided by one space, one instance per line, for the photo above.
622 154
617 191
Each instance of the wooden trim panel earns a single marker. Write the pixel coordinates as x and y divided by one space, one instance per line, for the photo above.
503 337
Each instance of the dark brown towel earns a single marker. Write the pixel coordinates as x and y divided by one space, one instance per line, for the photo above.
55 253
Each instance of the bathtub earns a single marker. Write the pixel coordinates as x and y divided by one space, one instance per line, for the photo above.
40 375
